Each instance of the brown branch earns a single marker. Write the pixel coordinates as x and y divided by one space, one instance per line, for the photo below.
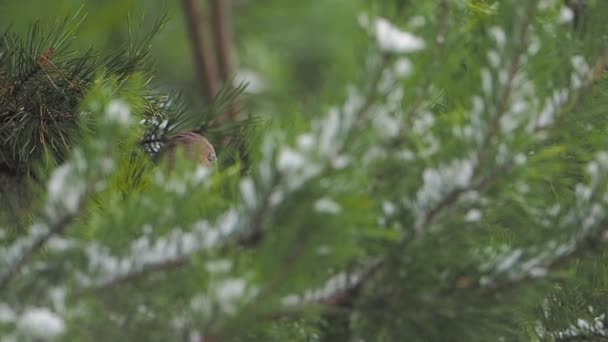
223 35
223 39
599 69
203 59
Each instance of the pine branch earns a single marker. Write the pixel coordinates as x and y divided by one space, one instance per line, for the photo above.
39 242
247 239
581 246
454 195
504 99
160 267
600 67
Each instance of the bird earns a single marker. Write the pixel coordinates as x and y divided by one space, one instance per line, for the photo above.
192 146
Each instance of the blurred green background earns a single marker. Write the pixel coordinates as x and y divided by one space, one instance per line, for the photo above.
283 48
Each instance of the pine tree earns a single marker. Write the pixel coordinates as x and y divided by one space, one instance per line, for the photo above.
454 189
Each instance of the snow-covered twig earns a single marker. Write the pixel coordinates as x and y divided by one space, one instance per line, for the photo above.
33 244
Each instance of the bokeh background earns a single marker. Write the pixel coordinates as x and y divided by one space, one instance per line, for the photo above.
309 48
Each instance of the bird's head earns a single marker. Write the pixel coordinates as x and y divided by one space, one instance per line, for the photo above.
192 146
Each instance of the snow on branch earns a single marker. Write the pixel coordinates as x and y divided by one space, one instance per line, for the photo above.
582 330
147 256
510 267
389 37
338 289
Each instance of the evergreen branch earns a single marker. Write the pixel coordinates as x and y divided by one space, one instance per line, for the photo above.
254 235
503 101
160 267
248 239
203 58
167 116
443 13
596 73
39 242
580 248
455 194
346 295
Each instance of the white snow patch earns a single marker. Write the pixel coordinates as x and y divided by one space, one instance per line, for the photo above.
201 174
509 261
65 189
327 205
417 21
566 15
387 125
388 208
144 252
59 244
340 162
486 81
581 68
423 122
41 323
7 315
228 292
403 67
290 300
118 111
306 142
439 181
392 39
248 192
498 34
290 160
253 80
534 45
57 295
494 58
473 215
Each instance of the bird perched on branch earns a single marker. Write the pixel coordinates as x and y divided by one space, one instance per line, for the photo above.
192 146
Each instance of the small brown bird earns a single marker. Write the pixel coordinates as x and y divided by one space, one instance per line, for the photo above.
192 146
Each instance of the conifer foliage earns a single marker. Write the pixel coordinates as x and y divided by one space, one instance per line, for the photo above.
454 191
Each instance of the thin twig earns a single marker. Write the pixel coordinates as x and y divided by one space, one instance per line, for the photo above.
223 35
223 39
203 59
